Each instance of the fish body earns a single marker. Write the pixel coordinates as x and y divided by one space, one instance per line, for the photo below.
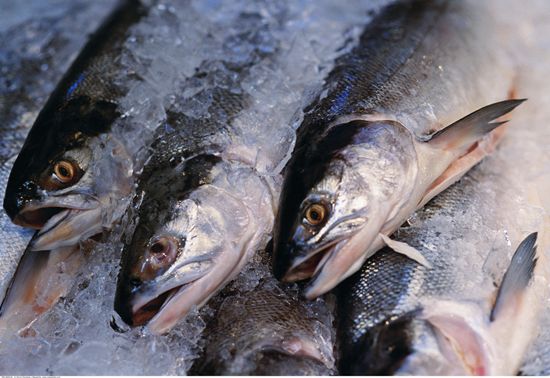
71 168
404 115
266 329
398 317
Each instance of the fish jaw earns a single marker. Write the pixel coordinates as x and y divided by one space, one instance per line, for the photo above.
195 294
68 228
61 220
138 303
334 261
306 262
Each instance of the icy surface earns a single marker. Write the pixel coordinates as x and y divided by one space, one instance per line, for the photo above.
78 335
532 152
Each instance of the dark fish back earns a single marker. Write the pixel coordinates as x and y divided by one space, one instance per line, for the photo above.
386 44
85 101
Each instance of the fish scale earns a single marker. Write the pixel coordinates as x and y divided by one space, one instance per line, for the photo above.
391 288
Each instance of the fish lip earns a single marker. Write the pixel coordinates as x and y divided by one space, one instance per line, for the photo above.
143 313
36 216
305 267
50 220
149 306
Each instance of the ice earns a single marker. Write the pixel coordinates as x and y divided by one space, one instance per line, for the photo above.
300 39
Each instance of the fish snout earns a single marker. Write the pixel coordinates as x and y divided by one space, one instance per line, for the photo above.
287 258
384 349
125 297
17 198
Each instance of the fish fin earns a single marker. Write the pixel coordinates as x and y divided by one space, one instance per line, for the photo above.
517 276
405 249
22 286
463 164
464 132
40 280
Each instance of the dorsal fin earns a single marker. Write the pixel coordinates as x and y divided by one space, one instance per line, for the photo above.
474 126
517 276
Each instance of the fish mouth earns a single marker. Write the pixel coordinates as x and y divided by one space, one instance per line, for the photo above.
142 314
37 218
143 304
60 225
306 266
165 307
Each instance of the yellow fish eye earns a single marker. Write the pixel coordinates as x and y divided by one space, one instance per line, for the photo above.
65 171
316 214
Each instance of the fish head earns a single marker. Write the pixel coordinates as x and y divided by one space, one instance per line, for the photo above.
409 344
447 344
64 177
333 207
190 240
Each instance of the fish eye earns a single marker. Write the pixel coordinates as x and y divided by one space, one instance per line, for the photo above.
65 171
315 214
163 251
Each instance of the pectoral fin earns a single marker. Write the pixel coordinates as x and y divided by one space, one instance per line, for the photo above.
40 280
466 131
517 276
405 249
471 139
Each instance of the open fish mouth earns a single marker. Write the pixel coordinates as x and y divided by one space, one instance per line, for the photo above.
37 218
305 267
160 309
60 225
142 314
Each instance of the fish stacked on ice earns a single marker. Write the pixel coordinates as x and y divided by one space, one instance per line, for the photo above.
188 111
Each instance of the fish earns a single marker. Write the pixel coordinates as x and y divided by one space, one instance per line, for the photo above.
266 330
403 115
473 313
200 216
72 171
24 89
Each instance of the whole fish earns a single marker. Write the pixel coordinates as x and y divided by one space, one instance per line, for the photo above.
71 169
31 66
473 312
404 115
267 330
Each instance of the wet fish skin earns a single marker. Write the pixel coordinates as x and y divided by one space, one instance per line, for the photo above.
394 314
363 160
265 331
196 222
25 87
55 182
